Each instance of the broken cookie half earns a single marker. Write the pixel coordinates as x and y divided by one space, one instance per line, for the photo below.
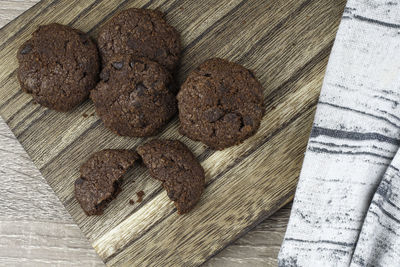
171 162
101 177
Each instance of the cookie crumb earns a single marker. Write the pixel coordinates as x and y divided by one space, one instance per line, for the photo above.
131 201
140 195
34 102
85 115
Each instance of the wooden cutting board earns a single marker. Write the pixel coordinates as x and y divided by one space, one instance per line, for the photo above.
285 42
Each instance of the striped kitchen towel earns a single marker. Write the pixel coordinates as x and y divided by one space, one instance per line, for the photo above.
346 211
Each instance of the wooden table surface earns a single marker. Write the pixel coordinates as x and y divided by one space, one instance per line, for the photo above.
36 229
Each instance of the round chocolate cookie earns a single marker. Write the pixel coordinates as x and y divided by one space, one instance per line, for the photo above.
58 66
143 33
133 97
175 166
220 104
101 176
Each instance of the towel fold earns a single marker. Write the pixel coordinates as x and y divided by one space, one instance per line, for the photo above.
346 211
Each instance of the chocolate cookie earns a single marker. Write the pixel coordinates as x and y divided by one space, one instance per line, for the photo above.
58 66
133 96
143 33
175 166
220 104
101 177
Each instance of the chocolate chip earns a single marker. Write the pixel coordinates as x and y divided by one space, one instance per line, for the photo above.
140 89
104 76
213 114
84 38
136 104
26 49
252 74
79 181
171 195
118 65
133 62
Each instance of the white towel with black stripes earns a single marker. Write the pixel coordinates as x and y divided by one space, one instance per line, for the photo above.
346 211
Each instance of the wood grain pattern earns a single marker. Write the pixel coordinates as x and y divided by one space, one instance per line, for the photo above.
10 9
35 229
257 248
286 43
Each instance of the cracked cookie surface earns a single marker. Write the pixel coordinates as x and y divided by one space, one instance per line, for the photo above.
134 96
101 176
58 66
142 33
172 163
220 104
